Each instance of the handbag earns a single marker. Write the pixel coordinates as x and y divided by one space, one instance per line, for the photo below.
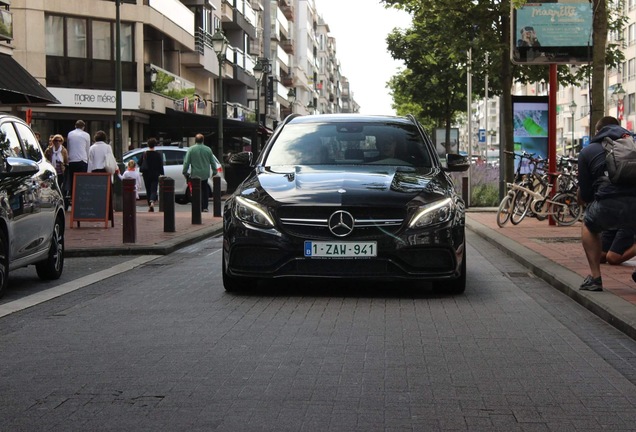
111 163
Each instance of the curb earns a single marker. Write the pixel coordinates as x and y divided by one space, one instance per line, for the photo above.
614 310
163 248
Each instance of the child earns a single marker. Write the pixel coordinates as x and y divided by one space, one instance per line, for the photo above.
132 173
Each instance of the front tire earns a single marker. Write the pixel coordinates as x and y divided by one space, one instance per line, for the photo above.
51 268
503 214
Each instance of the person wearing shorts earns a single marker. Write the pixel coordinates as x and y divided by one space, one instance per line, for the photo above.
618 246
609 206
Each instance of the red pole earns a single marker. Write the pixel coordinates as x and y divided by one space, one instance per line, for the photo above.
552 119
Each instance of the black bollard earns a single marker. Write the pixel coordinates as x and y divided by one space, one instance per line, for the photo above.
167 197
196 200
465 190
161 178
129 210
216 195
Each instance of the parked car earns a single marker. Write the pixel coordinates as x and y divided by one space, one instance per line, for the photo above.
31 205
346 196
173 167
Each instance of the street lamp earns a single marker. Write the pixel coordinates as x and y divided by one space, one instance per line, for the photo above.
572 112
617 96
291 96
258 74
219 45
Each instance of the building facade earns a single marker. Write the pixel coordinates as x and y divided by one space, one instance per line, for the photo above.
173 83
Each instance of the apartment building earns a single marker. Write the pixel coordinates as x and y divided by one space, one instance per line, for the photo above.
170 72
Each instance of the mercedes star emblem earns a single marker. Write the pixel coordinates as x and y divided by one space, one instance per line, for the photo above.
341 223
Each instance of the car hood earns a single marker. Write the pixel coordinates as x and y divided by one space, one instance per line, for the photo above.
331 185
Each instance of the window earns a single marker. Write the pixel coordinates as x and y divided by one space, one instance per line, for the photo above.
54 35
29 143
102 43
81 53
631 104
631 34
9 142
76 37
631 69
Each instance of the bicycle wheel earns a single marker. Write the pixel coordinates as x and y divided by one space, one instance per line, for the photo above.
520 206
566 209
503 214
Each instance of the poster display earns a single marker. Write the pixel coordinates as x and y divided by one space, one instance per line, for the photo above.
530 134
552 32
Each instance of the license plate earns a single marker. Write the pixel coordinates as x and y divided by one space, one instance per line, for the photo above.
314 249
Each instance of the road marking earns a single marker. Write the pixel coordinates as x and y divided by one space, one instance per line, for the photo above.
57 291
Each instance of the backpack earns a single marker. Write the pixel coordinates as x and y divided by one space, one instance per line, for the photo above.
620 160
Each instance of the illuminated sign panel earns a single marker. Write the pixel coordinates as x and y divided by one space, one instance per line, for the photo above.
552 32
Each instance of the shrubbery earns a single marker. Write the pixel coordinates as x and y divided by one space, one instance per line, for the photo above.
485 185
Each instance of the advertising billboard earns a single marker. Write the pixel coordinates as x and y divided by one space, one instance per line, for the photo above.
552 32
530 131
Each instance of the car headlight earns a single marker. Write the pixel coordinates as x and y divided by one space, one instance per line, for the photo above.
251 212
432 214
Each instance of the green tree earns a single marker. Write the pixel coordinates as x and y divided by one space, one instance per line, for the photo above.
434 52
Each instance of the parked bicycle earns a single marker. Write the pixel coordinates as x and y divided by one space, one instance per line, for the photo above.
563 206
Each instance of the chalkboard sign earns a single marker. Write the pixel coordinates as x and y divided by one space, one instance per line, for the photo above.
91 198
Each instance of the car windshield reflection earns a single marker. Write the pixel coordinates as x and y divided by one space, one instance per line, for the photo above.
349 144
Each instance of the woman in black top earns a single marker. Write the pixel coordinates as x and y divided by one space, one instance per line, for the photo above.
151 168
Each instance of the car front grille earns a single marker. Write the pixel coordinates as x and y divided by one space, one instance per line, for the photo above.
313 222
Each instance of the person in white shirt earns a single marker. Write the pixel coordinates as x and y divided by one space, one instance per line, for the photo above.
98 153
78 143
132 173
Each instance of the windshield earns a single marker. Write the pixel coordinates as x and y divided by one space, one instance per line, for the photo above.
349 143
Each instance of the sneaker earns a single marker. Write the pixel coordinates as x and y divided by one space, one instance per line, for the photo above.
204 210
592 284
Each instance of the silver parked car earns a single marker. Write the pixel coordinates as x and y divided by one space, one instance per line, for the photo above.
32 205
173 167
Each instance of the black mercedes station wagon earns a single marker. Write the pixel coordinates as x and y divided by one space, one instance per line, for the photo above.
346 196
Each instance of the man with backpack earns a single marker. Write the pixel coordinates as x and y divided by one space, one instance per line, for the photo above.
609 205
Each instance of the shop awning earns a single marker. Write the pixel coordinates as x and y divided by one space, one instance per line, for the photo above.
19 87
178 124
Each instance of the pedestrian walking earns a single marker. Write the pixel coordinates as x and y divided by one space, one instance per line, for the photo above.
132 173
57 155
609 206
199 163
78 143
151 167
100 155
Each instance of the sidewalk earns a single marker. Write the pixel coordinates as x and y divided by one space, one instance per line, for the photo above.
551 252
93 239
555 254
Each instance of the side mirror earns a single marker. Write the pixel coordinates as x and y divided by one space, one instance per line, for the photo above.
242 158
16 167
456 162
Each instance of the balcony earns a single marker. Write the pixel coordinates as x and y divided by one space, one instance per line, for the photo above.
288 46
288 10
288 80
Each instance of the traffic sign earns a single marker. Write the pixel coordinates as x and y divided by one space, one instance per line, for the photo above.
482 135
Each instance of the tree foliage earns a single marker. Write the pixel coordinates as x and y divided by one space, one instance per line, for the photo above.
434 50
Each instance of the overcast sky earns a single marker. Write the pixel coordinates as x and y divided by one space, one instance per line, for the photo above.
360 28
